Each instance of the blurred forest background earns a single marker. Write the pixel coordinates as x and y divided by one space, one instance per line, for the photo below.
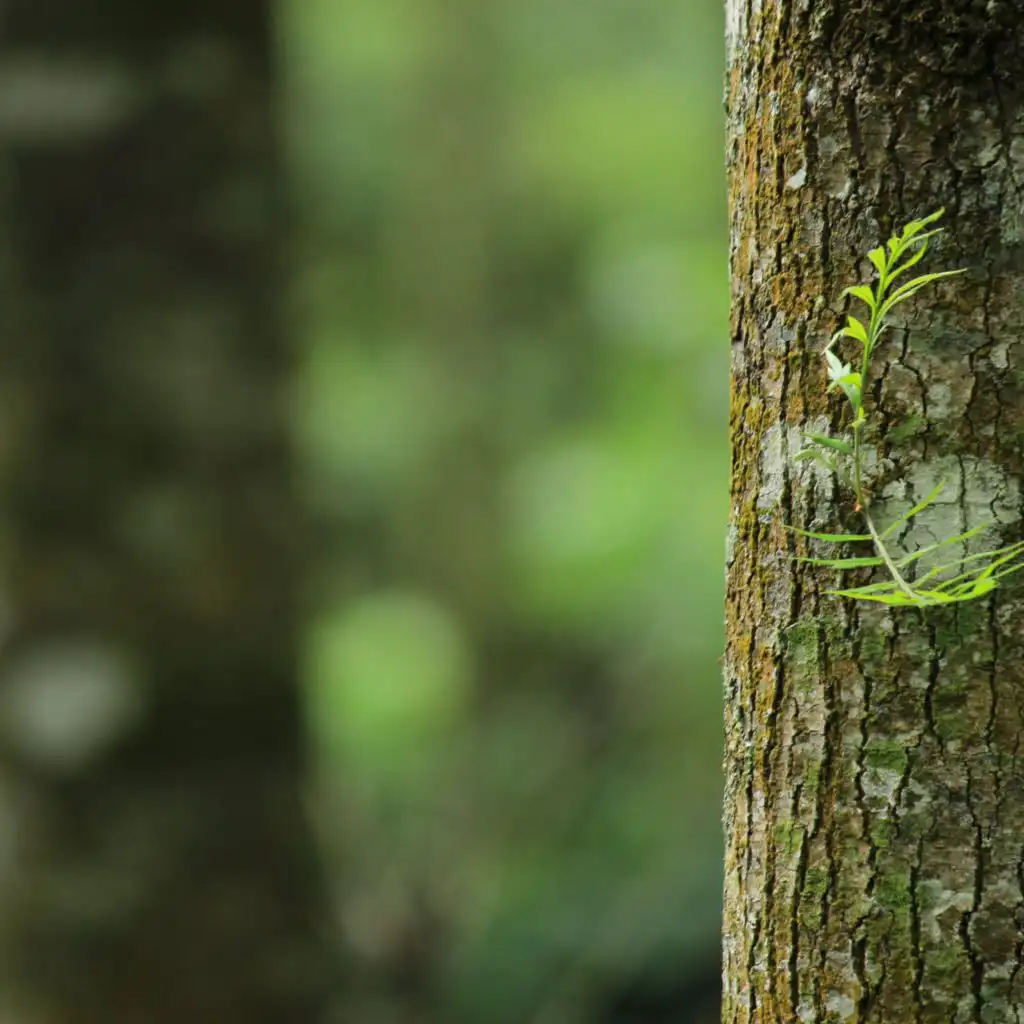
498 253
511 290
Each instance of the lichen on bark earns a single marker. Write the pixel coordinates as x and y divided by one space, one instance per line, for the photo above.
874 809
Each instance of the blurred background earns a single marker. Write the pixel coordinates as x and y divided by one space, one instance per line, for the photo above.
388 339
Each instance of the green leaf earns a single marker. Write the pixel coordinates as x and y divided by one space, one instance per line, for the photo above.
836 368
912 227
966 535
813 455
933 597
907 244
896 257
877 257
928 598
983 588
1006 554
831 442
913 286
856 330
850 385
976 588
988 571
871 588
858 593
920 507
1008 572
844 563
921 552
844 378
834 538
911 232
862 292
916 257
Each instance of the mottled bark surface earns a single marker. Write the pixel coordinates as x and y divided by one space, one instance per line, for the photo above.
154 861
875 777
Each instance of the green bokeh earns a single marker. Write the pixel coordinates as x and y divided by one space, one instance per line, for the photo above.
511 295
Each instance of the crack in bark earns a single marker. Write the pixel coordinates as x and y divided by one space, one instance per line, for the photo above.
977 962
915 931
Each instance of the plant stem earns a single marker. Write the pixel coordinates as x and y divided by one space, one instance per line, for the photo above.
858 488
862 506
889 563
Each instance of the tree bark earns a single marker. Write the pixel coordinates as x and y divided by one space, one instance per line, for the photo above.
874 807
154 858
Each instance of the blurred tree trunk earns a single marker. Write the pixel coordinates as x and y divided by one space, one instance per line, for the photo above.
154 859
875 777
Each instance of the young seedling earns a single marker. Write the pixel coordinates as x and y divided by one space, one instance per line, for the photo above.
962 579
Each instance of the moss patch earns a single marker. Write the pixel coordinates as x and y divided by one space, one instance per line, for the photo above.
788 835
892 891
888 755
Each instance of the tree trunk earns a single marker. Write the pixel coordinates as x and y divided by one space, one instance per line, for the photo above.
154 859
875 780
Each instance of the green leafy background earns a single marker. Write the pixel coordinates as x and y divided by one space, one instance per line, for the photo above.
511 301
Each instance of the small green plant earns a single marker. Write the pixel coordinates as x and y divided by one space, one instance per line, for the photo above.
962 579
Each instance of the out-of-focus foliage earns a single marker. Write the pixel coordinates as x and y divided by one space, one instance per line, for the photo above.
511 300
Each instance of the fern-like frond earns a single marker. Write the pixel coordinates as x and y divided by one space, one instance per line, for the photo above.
972 575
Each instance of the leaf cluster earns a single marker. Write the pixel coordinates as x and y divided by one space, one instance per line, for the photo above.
961 579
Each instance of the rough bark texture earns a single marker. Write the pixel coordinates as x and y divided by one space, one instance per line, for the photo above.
875 777
154 861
